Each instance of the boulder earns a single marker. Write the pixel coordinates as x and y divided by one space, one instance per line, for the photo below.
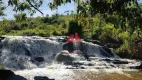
140 67
42 78
64 57
17 77
108 50
86 56
72 46
9 75
1 38
137 67
106 59
6 74
39 59
120 62
93 41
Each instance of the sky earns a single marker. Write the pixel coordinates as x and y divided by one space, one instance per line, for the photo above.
44 8
140 1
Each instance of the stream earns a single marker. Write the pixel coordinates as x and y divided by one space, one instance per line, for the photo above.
48 58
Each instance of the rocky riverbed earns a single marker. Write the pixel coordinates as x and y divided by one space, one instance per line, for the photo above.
38 58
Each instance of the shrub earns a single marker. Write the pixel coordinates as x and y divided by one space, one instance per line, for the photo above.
75 27
108 34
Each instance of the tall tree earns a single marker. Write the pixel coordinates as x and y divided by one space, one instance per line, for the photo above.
2 8
129 11
20 17
21 5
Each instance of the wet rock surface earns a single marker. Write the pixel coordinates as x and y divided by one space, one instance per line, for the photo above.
25 52
1 38
30 53
5 74
64 57
120 62
42 78
136 67
93 41
39 59
103 63
9 75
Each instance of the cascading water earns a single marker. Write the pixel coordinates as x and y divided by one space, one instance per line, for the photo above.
27 52
34 56
19 52
88 48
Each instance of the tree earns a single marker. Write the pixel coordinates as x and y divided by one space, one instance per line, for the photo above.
75 28
20 17
129 11
21 5
2 8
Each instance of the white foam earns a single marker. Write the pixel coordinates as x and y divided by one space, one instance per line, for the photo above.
57 74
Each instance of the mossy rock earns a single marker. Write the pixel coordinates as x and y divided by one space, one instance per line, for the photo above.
1 67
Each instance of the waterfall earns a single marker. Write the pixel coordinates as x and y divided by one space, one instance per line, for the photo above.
19 52
88 48
33 57
22 52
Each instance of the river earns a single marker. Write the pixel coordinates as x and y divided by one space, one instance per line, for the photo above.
34 57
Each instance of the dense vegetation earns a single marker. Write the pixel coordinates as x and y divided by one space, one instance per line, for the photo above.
115 23
112 23
42 26
59 25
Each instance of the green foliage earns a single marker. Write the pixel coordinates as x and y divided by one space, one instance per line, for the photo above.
110 21
57 33
41 26
2 8
74 27
22 5
20 17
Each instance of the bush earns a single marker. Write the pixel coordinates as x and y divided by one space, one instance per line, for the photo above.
137 48
108 34
74 27
57 33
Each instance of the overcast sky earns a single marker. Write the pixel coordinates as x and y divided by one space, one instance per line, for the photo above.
45 9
